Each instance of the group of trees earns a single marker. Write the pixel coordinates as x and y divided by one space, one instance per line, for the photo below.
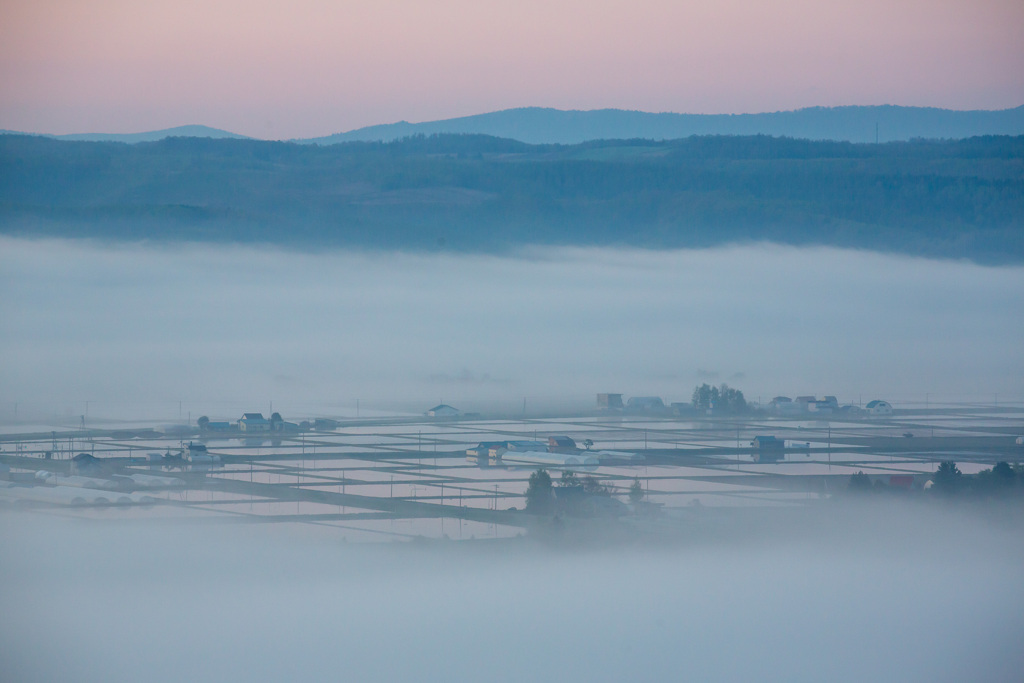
1002 477
722 400
574 490
587 484
1000 480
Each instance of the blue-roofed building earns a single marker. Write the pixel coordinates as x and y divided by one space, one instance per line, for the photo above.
253 422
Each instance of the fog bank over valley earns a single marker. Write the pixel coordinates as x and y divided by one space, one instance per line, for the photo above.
876 594
131 327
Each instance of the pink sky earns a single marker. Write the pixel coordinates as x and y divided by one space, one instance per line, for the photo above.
314 67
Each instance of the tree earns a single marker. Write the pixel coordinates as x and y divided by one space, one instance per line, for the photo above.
947 477
1004 475
588 444
704 397
859 483
540 497
592 487
203 423
730 400
636 491
569 479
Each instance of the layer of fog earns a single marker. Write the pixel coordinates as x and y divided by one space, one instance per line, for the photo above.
219 327
901 595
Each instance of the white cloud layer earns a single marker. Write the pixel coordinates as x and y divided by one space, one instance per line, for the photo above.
890 594
213 325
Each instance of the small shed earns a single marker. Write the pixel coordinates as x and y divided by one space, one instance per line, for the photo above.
645 404
324 424
86 464
197 452
878 408
768 448
443 410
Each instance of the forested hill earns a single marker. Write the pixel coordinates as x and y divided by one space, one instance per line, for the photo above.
477 193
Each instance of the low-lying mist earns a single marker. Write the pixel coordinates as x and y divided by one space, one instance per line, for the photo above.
150 326
891 594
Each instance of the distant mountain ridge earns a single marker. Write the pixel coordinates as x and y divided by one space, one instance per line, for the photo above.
540 125
537 125
190 131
